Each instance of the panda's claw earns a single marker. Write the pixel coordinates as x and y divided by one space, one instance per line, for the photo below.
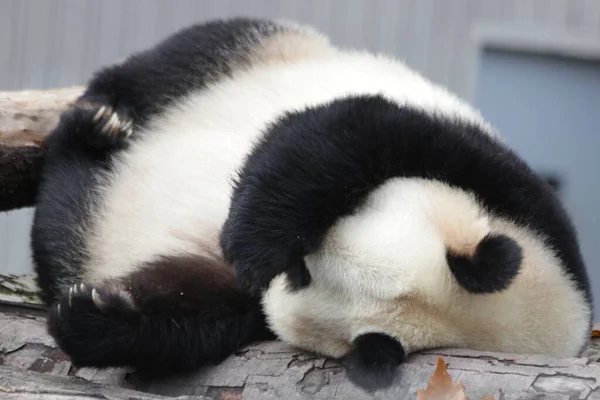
99 113
127 299
111 127
97 299
128 124
110 297
128 128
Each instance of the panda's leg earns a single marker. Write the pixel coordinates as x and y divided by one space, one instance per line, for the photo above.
173 315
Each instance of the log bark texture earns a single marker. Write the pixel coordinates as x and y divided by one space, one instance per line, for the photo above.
31 367
26 118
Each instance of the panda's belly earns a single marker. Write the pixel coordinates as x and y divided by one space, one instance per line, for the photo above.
168 198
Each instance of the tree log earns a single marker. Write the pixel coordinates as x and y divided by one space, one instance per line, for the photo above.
32 367
26 118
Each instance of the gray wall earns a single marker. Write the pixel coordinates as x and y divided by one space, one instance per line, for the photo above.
56 43
53 43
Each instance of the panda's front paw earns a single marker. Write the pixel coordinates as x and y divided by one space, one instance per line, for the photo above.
95 325
257 276
258 255
82 301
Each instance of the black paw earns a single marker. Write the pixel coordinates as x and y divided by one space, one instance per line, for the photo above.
101 125
493 267
94 326
258 257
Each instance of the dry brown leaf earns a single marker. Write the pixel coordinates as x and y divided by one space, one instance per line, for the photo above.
596 329
441 386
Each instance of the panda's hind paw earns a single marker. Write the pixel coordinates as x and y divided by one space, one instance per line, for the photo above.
101 125
116 126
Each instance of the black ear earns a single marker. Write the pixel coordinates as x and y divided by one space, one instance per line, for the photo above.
373 361
496 262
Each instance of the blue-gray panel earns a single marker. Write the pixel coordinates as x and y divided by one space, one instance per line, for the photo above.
547 108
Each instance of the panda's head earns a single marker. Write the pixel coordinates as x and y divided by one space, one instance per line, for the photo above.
420 265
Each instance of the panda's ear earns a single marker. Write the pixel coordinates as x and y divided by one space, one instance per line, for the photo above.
494 266
373 361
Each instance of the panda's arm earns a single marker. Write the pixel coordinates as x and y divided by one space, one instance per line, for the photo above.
318 165
122 98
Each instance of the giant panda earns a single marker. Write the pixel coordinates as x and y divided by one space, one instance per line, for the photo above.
246 179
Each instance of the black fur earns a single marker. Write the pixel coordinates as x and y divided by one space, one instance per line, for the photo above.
183 313
373 361
315 166
493 267
78 149
69 175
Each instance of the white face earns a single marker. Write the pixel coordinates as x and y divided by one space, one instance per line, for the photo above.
385 270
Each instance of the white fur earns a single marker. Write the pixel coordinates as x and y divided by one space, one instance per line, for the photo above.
384 270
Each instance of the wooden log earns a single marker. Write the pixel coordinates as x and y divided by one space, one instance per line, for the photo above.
32 367
26 118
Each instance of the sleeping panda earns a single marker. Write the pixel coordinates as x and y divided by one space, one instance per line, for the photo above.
245 179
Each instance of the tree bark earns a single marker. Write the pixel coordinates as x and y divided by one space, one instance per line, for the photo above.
26 118
32 367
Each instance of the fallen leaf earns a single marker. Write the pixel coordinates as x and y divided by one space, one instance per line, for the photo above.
441 386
